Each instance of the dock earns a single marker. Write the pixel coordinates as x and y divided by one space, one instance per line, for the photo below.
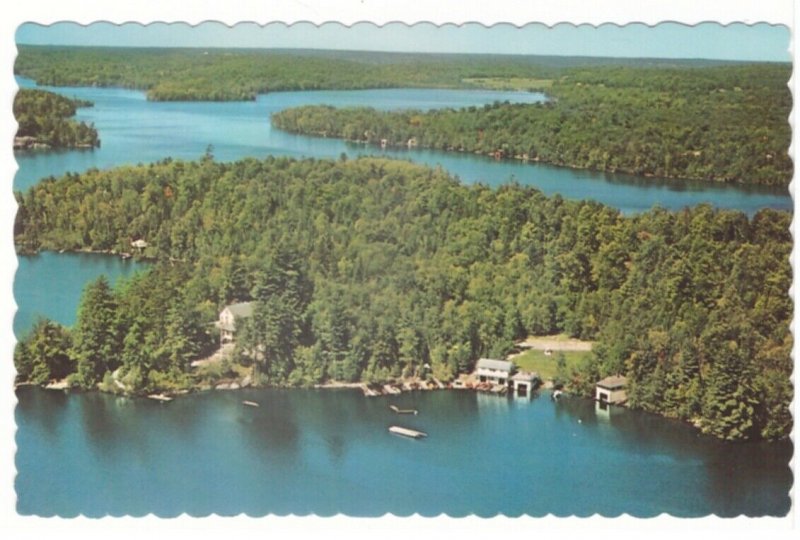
398 410
250 403
406 432
160 397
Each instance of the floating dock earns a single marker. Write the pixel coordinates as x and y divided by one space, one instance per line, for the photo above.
406 432
403 411
250 403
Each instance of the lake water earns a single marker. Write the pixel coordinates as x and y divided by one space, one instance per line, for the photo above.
50 284
133 130
324 452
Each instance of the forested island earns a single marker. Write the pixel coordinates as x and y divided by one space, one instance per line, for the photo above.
726 124
372 269
45 121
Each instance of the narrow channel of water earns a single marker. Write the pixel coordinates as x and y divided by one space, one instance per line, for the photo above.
134 130
50 284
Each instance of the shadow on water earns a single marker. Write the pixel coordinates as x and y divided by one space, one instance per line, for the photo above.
49 406
576 408
742 478
270 429
332 417
755 480
99 419
183 418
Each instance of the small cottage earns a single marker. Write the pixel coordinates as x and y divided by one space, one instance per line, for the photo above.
139 244
229 316
494 371
611 390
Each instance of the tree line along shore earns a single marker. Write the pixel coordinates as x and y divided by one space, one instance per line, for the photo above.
703 120
374 270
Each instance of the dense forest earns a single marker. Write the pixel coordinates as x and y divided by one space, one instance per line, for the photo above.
45 120
726 124
707 120
373 269
176 74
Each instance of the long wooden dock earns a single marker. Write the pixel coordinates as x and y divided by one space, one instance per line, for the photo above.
406 432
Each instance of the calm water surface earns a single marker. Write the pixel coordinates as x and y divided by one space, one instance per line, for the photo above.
325 452
134 130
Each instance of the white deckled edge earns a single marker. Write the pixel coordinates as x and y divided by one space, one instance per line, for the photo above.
348 12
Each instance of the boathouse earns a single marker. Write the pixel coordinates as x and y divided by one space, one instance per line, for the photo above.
228 318
524 382
494 371
611 390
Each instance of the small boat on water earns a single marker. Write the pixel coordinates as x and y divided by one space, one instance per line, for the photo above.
250 403
406 432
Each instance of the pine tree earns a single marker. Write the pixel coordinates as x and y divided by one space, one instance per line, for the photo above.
96 334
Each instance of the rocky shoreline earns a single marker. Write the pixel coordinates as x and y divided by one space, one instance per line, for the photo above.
32 143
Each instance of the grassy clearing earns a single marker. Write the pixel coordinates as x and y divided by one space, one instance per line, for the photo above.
546 366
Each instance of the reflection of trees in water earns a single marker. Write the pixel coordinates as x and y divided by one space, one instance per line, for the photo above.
98 416
271 429
752 476
135 425
185 414
46 407
334 416
576 409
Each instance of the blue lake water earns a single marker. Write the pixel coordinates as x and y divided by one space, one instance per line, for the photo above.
50 284
324 452
133 130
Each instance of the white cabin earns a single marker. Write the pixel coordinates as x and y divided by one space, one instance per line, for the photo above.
228 317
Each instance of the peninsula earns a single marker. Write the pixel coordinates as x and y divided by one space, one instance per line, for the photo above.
373 270
45 122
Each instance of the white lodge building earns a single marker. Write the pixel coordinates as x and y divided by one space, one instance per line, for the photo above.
229 316
494 371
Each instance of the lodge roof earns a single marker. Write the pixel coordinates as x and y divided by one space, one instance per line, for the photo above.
241 310
497 365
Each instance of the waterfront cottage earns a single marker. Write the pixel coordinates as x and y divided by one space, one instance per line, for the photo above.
612 390
229 316
494 371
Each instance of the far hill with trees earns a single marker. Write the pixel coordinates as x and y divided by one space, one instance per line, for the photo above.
694 119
